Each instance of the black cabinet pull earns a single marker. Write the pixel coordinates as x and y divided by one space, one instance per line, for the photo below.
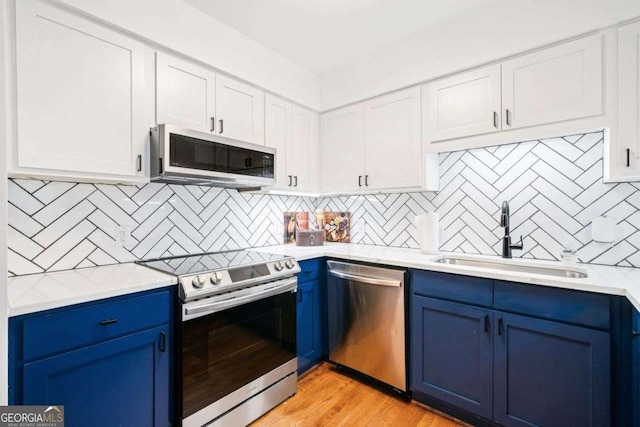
295 180
213 124
221 126
308 271
499 325
486 323
495 119
108 321
628 157
290 178
635 333
366 180
163 342
139 162
508 117
359 180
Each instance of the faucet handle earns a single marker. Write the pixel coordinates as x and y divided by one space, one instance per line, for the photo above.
518 246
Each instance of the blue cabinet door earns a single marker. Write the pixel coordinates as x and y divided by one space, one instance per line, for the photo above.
124 381
550 374
309 325
635 368
452 353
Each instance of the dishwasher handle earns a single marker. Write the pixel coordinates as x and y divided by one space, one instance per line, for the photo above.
365 279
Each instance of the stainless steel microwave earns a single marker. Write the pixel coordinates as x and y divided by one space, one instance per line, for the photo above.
183 156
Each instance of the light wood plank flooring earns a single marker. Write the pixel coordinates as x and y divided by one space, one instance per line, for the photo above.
327 397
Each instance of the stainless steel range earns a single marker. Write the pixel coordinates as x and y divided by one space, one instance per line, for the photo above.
236 335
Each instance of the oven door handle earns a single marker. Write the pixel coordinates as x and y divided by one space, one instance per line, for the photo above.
286 286
364 279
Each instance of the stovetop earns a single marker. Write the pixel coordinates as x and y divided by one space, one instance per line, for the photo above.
204 275
203 263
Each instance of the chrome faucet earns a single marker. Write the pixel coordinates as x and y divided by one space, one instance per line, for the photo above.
506 240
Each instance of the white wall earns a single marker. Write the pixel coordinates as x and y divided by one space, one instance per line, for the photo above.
3 212
506 29
183 28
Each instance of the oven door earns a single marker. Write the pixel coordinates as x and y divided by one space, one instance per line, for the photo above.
233 348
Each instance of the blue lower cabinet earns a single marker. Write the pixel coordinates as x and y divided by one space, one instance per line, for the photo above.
479 357
452 353
551 374
309 329
107 362
124 381
635 368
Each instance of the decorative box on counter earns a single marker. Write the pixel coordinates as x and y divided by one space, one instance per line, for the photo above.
309 237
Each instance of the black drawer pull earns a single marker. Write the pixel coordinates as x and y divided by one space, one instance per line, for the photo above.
308 271
108 321
635 333
486 323
499 325
163 342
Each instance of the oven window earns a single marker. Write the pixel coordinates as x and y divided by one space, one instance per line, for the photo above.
193 153
223 351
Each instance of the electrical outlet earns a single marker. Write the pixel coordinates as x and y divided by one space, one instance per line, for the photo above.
122 235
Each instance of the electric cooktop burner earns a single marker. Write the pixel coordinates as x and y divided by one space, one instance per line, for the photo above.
210 274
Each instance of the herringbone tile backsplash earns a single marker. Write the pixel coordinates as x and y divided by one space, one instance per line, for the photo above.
554 187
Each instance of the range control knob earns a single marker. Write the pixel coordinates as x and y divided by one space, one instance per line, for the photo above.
278 266
215 278
289 264
197 282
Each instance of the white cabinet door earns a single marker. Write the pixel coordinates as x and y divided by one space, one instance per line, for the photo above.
627 150
80 92
463 105
302 153
560 83
342 149
186 94
278 136
392 141
240 110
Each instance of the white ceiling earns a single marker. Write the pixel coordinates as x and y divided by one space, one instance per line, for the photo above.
321 35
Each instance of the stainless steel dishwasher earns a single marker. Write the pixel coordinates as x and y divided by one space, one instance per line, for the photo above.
366 320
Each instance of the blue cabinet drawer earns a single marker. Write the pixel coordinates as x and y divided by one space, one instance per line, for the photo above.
453 287
69 328
310 269
564 305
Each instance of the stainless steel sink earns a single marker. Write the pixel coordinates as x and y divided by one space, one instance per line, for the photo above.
547 271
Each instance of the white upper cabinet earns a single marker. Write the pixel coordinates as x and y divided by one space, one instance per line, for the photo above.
392 140
626 153
302 152
80 99
186 94
278 136
463 105
293 131
560 83
240 110
342 149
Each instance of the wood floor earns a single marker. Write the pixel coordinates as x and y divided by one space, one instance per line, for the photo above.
327 397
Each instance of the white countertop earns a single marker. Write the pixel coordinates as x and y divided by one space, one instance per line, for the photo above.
623 281
28 294
37 292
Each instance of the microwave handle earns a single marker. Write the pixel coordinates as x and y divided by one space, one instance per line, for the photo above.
286 286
